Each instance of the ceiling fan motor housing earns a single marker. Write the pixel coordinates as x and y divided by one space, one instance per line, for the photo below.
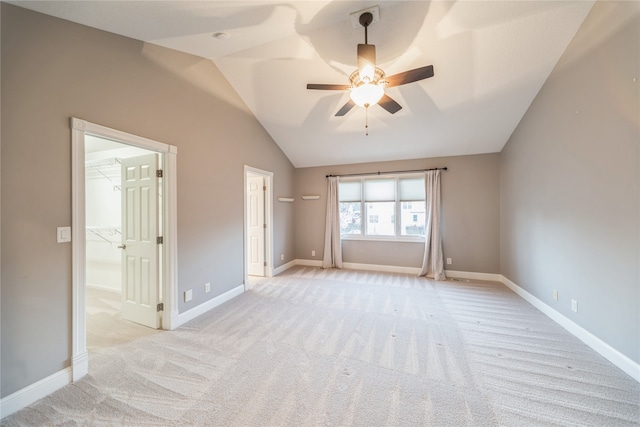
378 78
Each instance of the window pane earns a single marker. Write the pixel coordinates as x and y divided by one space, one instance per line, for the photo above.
350 218
381 219
412 219
380 190
411 189
349 191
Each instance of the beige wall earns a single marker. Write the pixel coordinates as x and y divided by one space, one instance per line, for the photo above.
570 207
470 212
53 70
558 209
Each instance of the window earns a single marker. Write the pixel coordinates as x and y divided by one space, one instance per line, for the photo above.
380 201
350 207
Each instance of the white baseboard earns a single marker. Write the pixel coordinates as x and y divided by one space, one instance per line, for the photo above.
391 269
34 392
382 268
473 276
307 262
206 306
80 366
611 354
351 266
284 267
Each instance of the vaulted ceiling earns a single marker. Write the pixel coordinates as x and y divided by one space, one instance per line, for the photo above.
490 59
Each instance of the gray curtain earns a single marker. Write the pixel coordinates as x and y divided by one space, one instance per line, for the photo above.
432 263
332 245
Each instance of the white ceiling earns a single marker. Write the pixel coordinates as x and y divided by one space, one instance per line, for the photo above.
490 58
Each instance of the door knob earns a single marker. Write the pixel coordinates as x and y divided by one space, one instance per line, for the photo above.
122 247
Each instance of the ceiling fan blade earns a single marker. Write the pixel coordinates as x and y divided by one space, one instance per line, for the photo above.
389 104
410 76
345 108
327 87
367 61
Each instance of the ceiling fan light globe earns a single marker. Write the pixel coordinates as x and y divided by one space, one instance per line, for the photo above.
366 94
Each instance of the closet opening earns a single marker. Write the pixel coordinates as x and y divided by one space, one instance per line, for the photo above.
112 318
146 188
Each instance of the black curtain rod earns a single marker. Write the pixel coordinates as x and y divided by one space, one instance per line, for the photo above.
389 172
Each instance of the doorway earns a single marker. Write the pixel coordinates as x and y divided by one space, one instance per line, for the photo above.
158 160
111 310
258 227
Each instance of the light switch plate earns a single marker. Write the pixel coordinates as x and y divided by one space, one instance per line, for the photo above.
64 234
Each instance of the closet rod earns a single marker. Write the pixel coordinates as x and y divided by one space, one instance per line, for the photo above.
389 172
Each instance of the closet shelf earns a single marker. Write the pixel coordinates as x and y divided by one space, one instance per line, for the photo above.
109 234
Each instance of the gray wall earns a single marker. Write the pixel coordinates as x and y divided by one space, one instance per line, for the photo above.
570 182
53 70
470 212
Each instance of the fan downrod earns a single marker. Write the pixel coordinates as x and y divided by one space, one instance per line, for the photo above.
365 20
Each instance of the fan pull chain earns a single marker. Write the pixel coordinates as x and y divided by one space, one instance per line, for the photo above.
366 119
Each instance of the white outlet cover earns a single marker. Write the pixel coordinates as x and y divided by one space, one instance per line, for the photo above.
188 295
63 234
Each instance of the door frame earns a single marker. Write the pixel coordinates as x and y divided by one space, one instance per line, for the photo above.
268 218
79 128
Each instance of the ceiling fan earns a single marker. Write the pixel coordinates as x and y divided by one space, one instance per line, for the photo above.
368 82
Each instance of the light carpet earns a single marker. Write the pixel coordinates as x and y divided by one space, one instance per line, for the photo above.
105 326
346 348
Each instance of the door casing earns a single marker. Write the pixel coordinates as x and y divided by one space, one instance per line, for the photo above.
79 128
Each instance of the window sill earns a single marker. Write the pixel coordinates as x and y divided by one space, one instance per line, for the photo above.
390 239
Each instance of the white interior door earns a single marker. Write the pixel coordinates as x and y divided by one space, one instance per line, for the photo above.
139 240
255 226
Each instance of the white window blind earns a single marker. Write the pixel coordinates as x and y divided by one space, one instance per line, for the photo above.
379 190
350 191
411 189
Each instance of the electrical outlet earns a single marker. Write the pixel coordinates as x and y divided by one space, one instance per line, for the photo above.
188 295
64 234
555 294
574 306
207 288
448 261
313 253
282 257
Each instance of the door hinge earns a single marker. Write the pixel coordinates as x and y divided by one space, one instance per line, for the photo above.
159 173
264 225
265 263
160 240
160 307
264 188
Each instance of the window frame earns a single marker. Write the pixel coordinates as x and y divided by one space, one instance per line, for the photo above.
398 237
